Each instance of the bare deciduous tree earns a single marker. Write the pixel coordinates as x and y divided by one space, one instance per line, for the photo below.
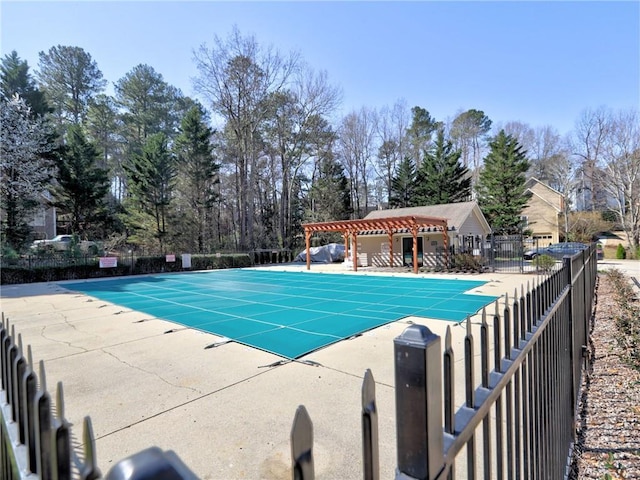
590 133
393 144
237 76
295 124
620 171
356 148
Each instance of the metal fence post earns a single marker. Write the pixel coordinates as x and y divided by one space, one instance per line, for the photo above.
418 373
151 463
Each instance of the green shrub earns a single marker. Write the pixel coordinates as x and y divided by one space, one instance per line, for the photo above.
156 264
546 263
9 256
621 253
466 262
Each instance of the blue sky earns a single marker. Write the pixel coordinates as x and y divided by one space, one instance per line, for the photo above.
541 63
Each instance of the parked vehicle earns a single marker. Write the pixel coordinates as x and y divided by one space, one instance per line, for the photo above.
556 250
62 243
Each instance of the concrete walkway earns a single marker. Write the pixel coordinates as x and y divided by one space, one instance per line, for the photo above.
226 411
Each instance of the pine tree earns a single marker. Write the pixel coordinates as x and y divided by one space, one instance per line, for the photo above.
81 184
419 133
149 106
69 78
467 132
16 79
501 187
330 198
198 184
152 176
403 185
103 128
441 178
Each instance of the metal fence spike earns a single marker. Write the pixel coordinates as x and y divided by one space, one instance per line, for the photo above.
42 376
89 470
370 445
302 445
60 401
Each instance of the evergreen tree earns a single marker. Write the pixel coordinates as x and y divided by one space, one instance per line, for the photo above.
330 198
441 178
16 79
403 185
152 176
103 127
198 184
468 130
149 106
501 187
25 169
69 78
81 184
419 133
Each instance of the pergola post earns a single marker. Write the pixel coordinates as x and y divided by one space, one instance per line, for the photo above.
414 232
346 234
390 234
354 249
307 242
445 239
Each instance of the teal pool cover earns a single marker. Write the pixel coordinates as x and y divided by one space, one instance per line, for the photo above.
287 313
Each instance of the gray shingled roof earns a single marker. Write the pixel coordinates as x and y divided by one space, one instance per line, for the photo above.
455 213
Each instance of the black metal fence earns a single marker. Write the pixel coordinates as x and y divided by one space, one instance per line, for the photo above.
36 440
517 420
502 254
62 266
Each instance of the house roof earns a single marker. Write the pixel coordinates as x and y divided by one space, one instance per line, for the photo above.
530 183
455 213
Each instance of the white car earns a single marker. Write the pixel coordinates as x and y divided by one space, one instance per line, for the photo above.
61 243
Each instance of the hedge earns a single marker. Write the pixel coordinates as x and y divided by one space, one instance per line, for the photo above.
15 274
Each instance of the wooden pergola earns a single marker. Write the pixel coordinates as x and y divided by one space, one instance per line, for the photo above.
389 225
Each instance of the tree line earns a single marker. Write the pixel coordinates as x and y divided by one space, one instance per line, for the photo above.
258 154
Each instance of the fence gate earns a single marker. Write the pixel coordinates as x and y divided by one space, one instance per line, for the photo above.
505 253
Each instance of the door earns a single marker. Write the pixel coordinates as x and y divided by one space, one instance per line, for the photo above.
407 251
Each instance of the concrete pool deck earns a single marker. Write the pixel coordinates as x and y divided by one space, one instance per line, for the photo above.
225 411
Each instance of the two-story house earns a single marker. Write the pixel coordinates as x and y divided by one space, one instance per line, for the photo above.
542 216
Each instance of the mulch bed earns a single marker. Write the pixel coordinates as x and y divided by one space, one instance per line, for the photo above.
608 445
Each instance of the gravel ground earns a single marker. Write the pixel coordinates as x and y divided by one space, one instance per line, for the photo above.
608 444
